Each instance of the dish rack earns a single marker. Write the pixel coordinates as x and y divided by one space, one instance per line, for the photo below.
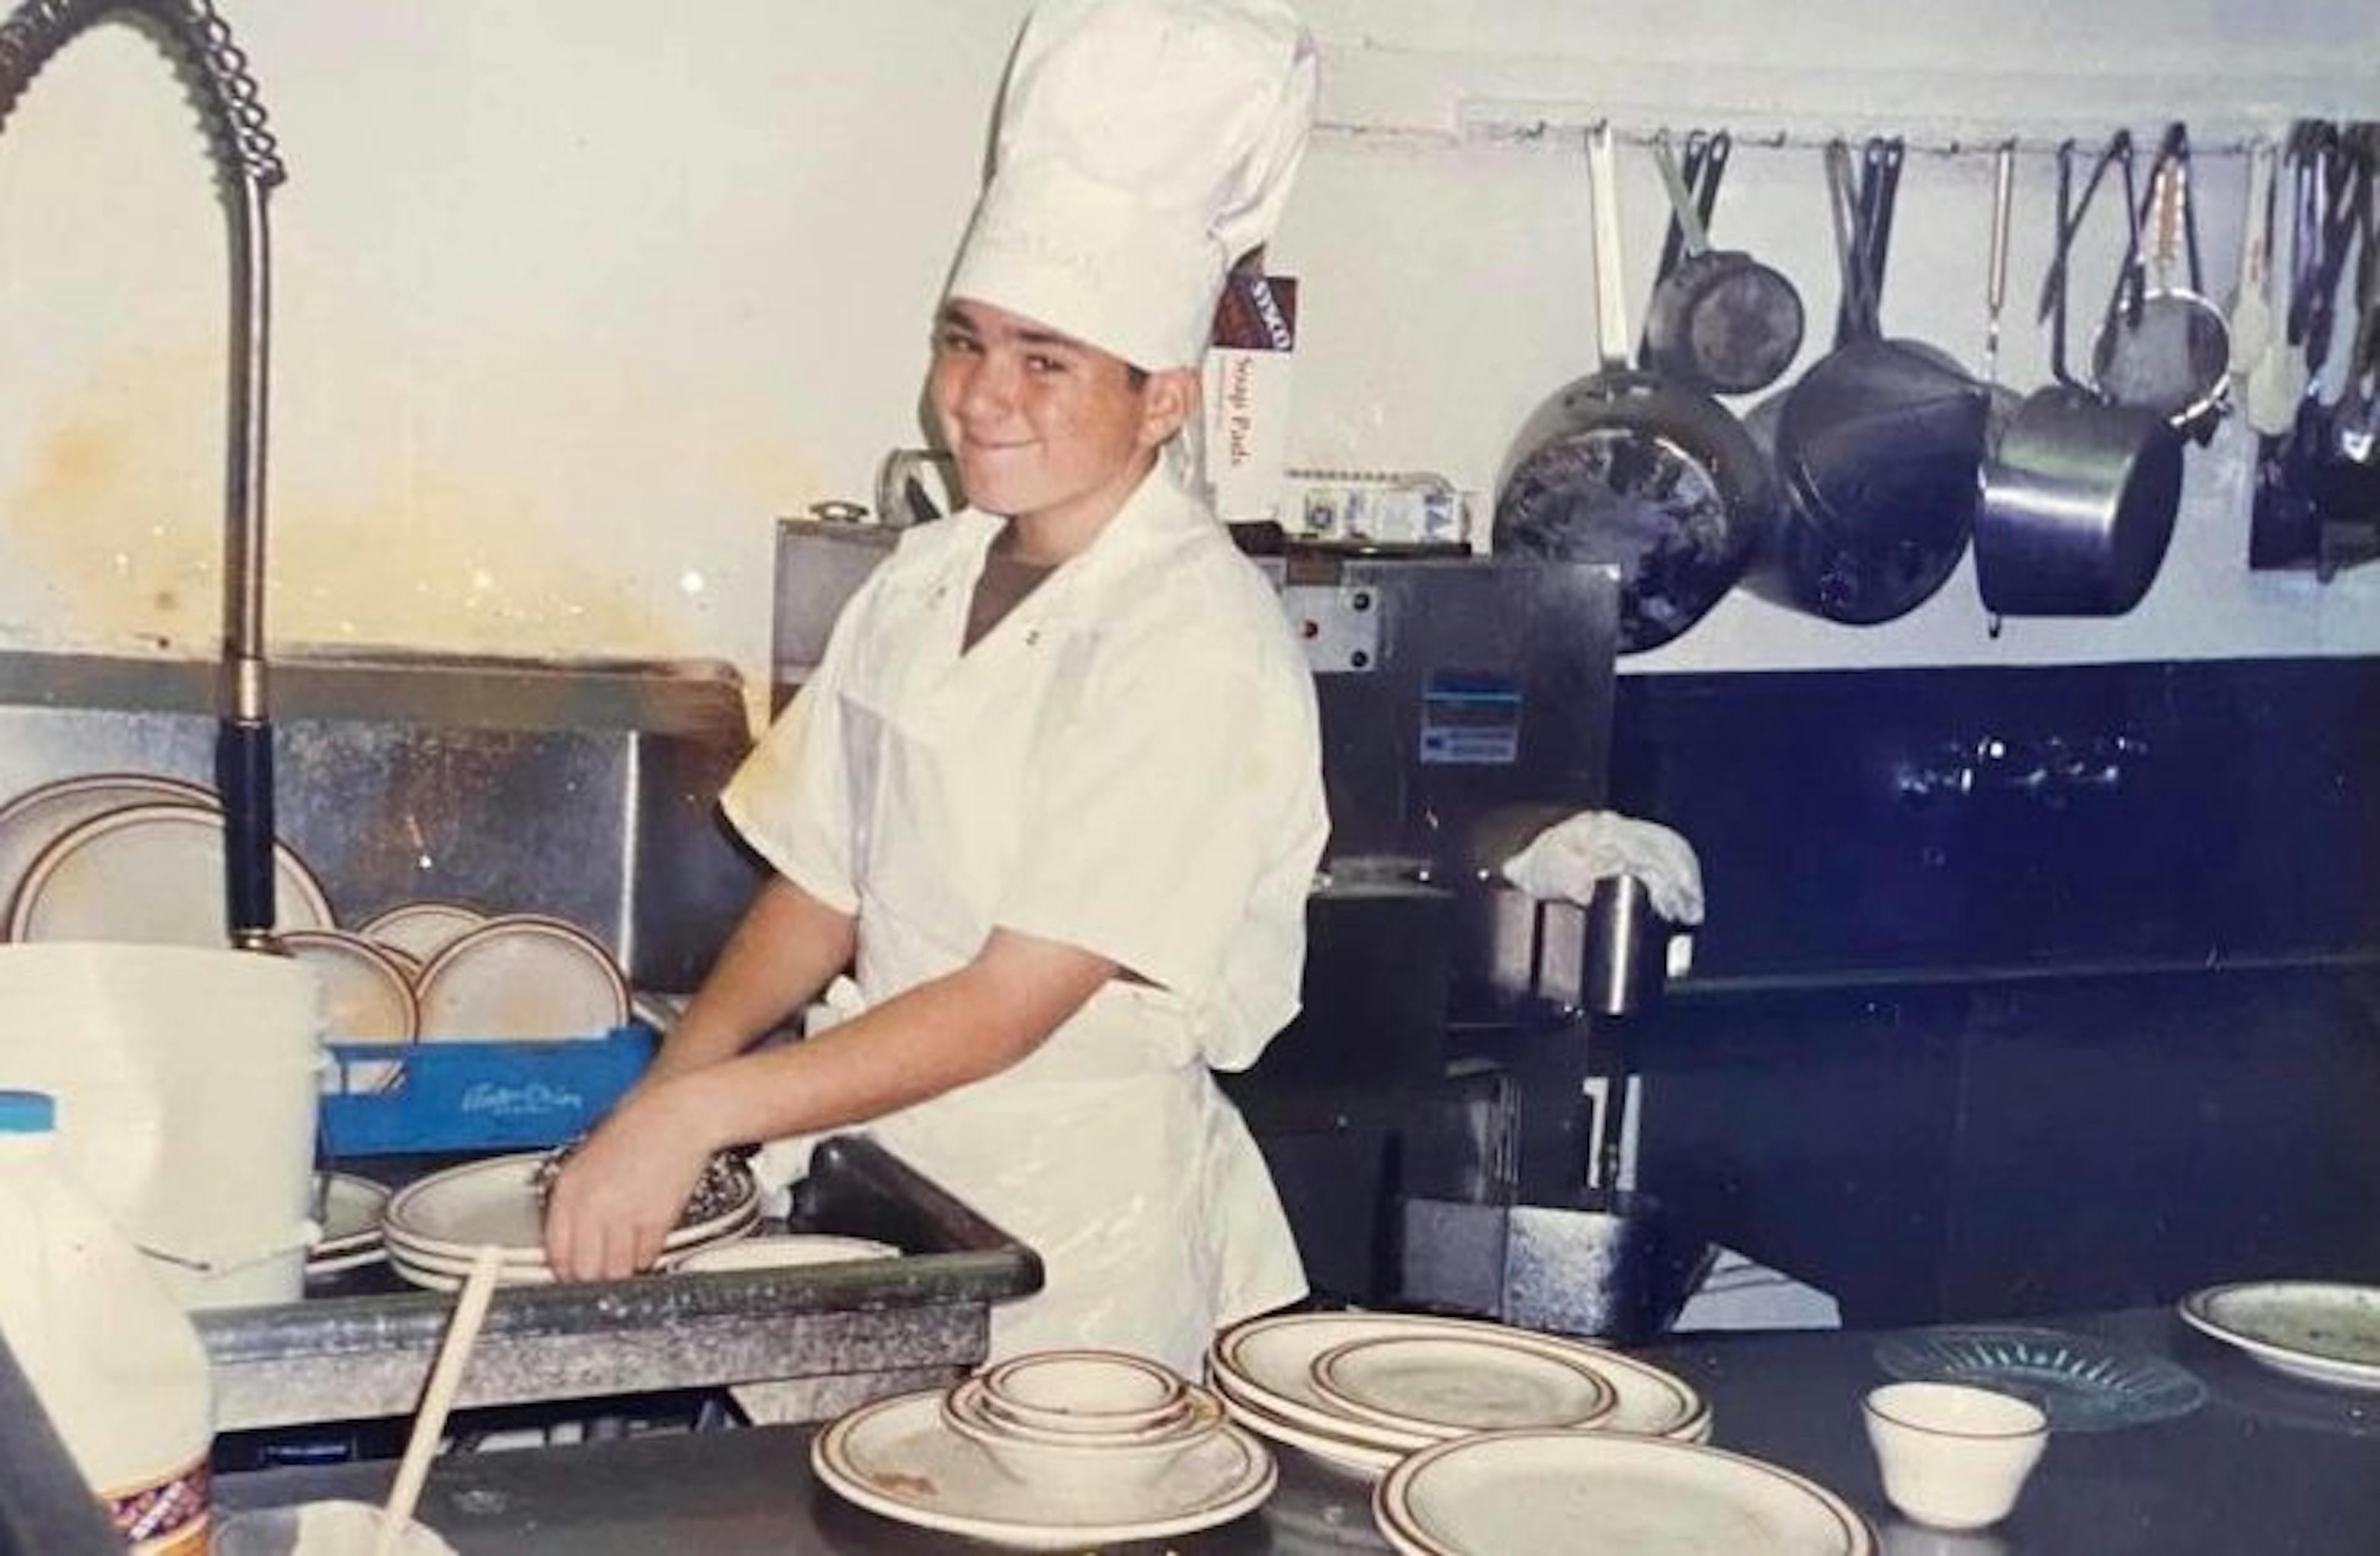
480 1095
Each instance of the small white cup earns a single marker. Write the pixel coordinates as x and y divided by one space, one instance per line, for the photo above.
1953 1457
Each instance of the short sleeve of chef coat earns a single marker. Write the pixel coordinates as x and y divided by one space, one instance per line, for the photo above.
1168 788
791 799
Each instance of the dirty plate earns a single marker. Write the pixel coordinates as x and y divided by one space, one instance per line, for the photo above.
2324 1332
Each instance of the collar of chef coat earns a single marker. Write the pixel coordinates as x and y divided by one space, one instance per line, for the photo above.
1160 512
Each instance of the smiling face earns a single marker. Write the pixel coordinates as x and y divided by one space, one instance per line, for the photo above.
1048 433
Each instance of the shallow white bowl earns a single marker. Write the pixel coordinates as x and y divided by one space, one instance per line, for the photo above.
1091 1391
1125 1463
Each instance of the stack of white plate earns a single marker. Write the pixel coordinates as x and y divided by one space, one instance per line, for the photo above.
1362 1390
1051 1451
432 1227
348 1209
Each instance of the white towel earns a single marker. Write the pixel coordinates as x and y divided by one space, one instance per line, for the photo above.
1563 863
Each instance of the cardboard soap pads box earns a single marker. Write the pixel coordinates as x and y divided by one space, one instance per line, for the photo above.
1247 384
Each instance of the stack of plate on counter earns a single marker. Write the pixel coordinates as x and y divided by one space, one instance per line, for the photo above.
1361 1391
348 1208
1049 1451
432 1227
1486 1439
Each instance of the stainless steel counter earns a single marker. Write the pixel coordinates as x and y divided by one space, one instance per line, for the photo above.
2266 1468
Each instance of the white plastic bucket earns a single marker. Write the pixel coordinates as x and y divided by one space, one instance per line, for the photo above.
186 1081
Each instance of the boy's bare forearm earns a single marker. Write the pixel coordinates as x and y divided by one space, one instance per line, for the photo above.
788 946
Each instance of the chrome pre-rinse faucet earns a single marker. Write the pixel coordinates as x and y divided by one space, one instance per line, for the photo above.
247 161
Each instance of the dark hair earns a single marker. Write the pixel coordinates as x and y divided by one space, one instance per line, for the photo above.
1134 378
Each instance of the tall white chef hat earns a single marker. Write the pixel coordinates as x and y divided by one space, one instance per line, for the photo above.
1144 146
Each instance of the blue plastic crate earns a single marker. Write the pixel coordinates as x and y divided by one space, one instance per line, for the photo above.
482 1096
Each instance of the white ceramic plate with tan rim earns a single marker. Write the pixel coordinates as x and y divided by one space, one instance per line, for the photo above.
422 930
443 1271
432 1277
1449 1386
2322 1331
338 1264
1271 1362
1607 1494
521 1265
790 1251
452 1213
447 1258
896 1457
458 1260
38 817
523 977
1362 1460
151 875
367 998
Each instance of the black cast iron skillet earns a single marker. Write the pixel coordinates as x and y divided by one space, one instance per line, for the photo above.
1878 446
1635 469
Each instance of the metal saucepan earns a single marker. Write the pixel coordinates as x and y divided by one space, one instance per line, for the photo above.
1635 469
1877 447
2080 493
1706 163
1720 320
2170 351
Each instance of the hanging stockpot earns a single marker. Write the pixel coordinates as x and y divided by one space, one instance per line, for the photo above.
1720 320
2081 490
1633 469
1877 447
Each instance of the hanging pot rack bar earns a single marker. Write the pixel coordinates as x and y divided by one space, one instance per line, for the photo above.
1565 126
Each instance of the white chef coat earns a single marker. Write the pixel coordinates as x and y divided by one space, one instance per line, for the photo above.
1129 763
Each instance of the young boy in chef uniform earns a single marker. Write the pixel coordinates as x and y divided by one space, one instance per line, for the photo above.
1053 797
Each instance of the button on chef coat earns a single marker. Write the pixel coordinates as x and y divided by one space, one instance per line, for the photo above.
1130 764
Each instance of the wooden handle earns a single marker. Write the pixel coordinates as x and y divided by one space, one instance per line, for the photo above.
445 1377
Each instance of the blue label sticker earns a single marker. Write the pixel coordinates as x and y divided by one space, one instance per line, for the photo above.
1470 719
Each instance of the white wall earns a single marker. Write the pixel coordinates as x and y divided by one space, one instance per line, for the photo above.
571 306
